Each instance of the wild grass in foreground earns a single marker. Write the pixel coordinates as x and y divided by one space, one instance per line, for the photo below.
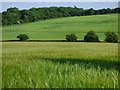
60 65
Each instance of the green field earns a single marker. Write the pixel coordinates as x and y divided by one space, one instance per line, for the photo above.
60 65
56 29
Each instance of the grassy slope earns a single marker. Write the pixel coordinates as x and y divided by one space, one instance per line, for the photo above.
58 28
44 65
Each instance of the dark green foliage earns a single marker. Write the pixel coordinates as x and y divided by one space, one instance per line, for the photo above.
91 36
89 12
71 37
23 37
111 37
14 15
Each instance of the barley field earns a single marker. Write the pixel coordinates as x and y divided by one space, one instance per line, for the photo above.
60 65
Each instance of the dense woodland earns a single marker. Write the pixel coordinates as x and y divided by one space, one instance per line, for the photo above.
16 16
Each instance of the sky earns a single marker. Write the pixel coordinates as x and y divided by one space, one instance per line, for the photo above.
85 5
60 0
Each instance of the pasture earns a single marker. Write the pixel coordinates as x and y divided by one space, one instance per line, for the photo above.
56 29
59 64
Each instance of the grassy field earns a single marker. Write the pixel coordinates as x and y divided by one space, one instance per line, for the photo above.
58 28
60 65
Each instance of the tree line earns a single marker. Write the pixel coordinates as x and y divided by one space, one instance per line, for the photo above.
91 36
16 16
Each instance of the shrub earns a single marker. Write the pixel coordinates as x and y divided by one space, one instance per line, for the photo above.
111 37
23 37
91 36
71 37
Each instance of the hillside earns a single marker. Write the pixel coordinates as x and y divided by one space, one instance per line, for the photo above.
56 29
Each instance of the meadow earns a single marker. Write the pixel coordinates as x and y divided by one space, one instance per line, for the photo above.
56 29
60 65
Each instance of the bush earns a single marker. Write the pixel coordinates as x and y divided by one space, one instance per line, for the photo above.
23 37
111 37
71 37
91 36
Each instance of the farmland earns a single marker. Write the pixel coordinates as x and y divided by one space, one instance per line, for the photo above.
60 65
56 29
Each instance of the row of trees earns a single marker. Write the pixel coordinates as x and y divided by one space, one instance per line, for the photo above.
91 36
16 16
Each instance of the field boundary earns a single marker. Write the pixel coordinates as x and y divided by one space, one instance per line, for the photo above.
52 41
38 41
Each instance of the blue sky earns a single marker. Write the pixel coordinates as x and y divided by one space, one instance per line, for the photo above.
86 5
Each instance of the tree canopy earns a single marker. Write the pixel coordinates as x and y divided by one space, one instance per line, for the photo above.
15 16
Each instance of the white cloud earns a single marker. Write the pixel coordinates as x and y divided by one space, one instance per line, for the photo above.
60 0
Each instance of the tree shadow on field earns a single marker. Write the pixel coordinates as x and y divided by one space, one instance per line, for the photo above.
99 63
